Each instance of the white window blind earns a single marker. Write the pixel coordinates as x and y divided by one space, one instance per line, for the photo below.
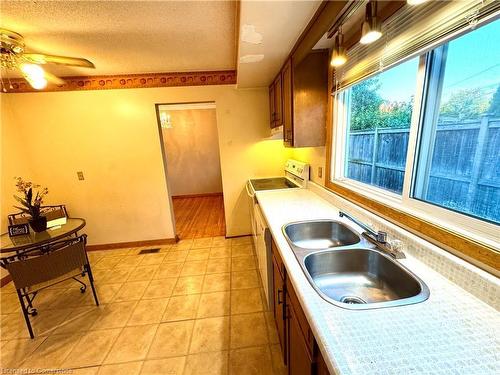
412 31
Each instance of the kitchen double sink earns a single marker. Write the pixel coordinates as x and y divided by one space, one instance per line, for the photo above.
349 271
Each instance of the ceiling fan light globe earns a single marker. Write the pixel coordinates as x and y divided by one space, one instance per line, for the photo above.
32 70
38 84
35 75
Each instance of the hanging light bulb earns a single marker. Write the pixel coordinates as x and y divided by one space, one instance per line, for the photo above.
35 75
339 56
370 29
415 2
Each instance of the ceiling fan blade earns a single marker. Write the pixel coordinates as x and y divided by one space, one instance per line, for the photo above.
53 79
38 58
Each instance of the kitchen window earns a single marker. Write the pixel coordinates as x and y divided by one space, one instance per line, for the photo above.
423 135
458 164
379 111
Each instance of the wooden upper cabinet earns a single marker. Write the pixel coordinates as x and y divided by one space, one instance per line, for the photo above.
299 98
310 100
276 102
286 76
271 105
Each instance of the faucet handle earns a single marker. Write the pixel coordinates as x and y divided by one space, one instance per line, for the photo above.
396 247
382 236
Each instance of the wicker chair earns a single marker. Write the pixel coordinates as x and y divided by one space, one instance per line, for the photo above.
51 212
37 269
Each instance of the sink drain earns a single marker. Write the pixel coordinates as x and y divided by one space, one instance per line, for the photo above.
352 300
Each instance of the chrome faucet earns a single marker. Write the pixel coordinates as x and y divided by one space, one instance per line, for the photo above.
378 238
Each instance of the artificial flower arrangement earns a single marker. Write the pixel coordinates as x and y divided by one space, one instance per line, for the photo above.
31 202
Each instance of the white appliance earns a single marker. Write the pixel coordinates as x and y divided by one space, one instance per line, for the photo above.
295 176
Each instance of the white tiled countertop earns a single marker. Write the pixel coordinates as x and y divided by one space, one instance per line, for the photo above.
453 332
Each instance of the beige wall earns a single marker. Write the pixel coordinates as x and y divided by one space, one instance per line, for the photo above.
15 161
315 156
192 151
112 136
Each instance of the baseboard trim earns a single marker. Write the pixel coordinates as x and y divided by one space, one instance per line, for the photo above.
239 236
110 246
197 195
119 245
5 280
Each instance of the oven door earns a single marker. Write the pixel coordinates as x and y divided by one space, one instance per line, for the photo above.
262 250
251 206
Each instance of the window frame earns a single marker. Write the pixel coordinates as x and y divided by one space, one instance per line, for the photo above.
451 226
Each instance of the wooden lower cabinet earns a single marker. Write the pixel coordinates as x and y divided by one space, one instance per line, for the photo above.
298 345
321 368
279 308
299 360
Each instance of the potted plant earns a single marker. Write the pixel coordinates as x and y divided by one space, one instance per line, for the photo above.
31 204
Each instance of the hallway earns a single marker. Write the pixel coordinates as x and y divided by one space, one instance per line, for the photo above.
199 216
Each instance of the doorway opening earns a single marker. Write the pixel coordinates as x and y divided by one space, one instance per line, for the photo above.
190 145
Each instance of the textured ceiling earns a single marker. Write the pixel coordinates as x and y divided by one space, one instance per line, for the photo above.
271 29
128 36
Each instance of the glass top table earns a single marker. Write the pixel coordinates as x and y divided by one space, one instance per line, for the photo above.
33 239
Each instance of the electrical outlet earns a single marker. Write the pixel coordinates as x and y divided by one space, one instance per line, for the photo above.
80 176
320 172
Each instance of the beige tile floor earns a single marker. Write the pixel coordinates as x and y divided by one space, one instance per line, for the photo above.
194 308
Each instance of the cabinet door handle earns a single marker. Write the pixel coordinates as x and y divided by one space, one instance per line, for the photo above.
279 299
287 312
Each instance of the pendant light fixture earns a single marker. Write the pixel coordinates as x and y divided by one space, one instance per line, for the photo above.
370 29
339 56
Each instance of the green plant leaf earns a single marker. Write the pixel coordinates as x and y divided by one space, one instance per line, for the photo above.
23 210
29 195
22 201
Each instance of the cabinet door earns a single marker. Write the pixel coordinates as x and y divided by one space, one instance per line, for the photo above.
278 102
272 110
299 361
287 103
310 100
321 368
279 308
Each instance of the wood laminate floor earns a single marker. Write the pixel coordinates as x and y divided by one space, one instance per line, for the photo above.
198 217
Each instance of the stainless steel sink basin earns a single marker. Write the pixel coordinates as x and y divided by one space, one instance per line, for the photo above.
362 278
321 234
349 271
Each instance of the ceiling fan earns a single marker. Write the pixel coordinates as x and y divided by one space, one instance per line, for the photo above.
14 57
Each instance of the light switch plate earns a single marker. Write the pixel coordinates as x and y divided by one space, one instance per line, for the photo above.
80 176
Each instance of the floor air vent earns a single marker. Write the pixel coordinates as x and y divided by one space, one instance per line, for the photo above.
149 251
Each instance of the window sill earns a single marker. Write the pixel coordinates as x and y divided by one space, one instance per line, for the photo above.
442 233
372 192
